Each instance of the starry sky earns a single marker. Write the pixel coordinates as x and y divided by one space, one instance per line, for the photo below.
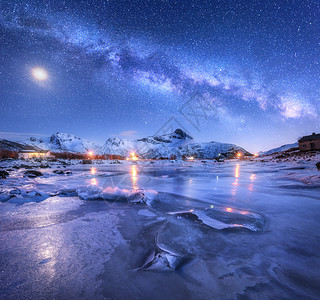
242 72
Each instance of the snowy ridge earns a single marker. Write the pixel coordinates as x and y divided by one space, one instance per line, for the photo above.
15 146
176 144
280 149
60 142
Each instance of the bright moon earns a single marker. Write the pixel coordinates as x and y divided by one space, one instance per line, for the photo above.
39 74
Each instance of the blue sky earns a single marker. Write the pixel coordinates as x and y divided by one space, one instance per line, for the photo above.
124 68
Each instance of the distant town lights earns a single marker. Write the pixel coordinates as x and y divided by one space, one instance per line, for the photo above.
133 156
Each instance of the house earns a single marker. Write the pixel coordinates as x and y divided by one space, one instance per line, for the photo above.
27 154
310 142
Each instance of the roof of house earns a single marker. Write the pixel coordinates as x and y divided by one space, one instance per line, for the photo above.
33 151
311 137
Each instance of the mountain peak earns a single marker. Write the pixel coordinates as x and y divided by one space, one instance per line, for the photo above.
179 133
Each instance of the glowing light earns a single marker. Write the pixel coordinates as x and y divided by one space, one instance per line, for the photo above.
93 171
190 158
94 181
39 74
239 154
133 156
253 177
90 153
256 155
229 209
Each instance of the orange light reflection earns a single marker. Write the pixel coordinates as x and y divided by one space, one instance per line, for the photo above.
253 177
134 176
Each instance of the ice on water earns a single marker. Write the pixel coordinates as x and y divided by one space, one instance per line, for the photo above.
247 226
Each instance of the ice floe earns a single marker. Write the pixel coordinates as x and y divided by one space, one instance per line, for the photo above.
114 193
218 219
162 259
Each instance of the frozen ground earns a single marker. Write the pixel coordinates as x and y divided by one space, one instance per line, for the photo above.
163 230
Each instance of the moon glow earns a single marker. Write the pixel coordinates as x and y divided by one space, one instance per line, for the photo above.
39 74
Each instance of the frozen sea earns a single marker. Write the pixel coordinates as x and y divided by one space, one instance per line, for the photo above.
163 230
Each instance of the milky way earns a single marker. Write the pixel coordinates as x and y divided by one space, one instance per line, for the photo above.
129 66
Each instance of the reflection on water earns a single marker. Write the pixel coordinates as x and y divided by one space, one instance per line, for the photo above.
237 171
93 181
252 178
236 182
134 176
237 174
47 255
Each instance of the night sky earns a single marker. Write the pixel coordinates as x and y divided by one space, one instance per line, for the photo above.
124 68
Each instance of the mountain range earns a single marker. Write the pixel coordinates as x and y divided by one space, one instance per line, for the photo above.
175 144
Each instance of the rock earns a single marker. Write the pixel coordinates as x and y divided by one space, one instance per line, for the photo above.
32 173
43 166
87 161
4 174
68 172
58 172
318 165
25 166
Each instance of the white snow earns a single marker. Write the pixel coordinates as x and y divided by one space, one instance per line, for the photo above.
60 142
280 149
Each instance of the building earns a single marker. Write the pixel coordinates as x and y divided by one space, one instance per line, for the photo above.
27 154
310 142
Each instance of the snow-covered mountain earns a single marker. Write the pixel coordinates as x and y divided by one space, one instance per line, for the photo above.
60 142
177 143
15 146
280 149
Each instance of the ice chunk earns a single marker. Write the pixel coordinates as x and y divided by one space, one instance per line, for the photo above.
144 196
116 193
5 197
146 213
160 259
67 192
89 192
219 219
